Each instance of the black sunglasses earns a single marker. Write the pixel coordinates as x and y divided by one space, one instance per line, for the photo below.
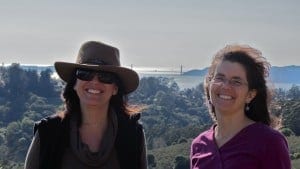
88 75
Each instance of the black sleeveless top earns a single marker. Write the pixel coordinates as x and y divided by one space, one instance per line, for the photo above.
54 138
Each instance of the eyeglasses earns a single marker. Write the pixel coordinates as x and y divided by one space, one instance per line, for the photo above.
88 75
234 82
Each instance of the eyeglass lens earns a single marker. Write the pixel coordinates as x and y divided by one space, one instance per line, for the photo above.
233 82
88 75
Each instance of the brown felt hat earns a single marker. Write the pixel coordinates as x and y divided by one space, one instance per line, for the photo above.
100 57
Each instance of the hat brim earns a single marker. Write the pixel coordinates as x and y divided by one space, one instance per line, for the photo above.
128 77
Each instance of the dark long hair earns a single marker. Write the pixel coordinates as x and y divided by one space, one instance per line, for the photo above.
72 103
257 70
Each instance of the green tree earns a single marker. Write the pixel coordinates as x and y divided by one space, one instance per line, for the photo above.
18 138
181 162
291 116
33 83
287 132
151 161
16 84
46 84
16 81
3 73
294 93
148 88
13 135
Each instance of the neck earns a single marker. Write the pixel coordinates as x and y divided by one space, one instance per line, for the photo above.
94 124
94 115
228 126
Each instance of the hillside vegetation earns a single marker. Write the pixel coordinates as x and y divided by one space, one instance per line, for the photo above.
172 118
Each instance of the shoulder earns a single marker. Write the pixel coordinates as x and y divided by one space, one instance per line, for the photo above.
131 117
203 141
49 123
271 140
267 133
125 120
275 138
49 120
204 136
130 131
274 147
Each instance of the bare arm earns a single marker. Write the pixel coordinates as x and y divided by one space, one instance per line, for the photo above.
144 157
32 157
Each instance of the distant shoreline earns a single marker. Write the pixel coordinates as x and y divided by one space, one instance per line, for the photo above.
279 75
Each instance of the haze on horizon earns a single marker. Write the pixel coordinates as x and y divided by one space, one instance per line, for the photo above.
157 33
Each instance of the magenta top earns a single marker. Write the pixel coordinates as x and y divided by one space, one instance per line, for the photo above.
257 146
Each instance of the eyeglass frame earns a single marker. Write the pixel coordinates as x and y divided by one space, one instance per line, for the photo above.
233 82
92 73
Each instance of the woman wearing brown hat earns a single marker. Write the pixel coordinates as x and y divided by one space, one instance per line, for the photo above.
96 129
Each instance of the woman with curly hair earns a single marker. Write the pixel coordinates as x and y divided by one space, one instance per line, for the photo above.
238 99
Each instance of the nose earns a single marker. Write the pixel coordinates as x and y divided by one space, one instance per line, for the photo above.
95 78
226 83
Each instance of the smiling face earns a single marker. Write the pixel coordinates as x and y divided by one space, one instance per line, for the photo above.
94 93
229 90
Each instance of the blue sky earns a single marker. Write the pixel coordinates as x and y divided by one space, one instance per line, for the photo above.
159 33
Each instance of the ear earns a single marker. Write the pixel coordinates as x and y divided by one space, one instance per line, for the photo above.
115 91
75 86
251 95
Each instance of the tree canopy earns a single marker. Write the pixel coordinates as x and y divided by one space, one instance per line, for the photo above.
173 116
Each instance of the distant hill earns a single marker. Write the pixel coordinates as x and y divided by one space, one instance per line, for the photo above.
196 72
285 74
37 67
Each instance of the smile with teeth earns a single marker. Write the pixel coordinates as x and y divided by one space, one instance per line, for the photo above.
94 91
225 97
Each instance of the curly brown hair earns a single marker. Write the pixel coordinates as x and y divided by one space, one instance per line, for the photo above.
257 70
